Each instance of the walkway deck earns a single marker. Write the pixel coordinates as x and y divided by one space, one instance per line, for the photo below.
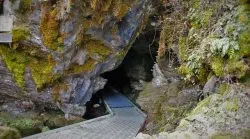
6 23
123 122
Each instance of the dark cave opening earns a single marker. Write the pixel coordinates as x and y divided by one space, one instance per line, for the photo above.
135 69
95 107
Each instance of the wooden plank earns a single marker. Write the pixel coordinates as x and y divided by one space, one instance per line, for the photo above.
6 23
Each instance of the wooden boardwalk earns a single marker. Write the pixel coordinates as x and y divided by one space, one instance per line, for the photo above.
124 122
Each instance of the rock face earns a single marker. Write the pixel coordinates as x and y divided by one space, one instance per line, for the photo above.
60 48
222 115
208 46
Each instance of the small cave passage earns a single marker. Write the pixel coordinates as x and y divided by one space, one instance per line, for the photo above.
117 79
95 107
136 68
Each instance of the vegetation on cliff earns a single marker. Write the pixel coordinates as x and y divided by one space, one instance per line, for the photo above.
211 40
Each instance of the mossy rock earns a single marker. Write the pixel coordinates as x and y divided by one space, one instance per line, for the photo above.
50 28
9 133
18 60
20 33
15 62
27 126
232 105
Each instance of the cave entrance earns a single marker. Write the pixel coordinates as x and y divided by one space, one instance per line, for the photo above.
136 68
129 77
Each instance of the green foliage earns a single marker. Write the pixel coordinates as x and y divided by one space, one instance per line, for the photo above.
200 106
24 6
224 89
15 62
224 46
20 33
42 71
223 53
200 17
244 42
27 126
217 65
50 26
236 67
9 133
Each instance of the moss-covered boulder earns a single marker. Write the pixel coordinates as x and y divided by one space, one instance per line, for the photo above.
60 48
218 116
9 133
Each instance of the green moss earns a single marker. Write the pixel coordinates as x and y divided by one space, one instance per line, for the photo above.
244 42
9 133
27 126
196 4
50 26
15 62
217 65
246 79
184 70
24 6
77 69
244 38
42 71
97 47
224 89
206 17
183 48
232 105
20 34
203 74
236 67
223 136
199 108
183 123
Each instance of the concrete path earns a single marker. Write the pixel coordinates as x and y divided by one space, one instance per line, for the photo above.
123 122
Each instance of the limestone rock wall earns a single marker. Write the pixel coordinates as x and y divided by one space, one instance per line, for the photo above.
60 47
